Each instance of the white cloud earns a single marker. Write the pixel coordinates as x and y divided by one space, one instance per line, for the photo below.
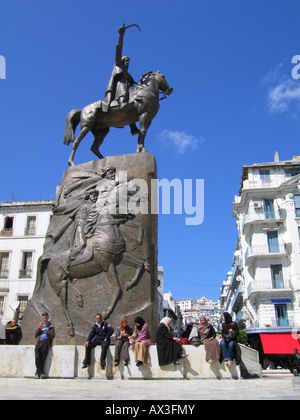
283 90
281 96
180 140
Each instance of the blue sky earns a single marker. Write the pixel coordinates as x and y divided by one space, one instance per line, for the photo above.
234 102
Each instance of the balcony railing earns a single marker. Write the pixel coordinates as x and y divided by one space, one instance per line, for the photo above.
25 273
264 251
274 322
30 231
262 216
4 274
272 182
265 285
6 232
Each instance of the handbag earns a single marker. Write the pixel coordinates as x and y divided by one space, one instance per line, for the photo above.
230 336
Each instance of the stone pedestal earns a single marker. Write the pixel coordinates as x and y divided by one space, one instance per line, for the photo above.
91 293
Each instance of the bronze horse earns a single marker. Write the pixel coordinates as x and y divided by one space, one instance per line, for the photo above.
98 118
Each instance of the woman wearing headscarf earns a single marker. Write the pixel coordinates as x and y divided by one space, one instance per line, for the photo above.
141 340
207 335
123 332
229 344
169 349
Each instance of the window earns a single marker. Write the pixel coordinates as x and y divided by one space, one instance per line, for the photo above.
8 226
269 209
4 259
265 175
26 266
2 305
273 241
23 302
292 171
277 278
30 225
297 204
281 315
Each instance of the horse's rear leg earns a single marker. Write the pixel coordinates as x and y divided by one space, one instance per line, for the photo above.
64 302
112 277
99 137
76 143
145 122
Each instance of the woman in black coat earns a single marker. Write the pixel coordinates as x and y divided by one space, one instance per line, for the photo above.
169 349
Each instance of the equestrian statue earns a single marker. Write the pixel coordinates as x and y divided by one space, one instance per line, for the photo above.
123 105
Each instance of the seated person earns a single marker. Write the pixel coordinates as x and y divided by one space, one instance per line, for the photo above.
230 334
141 341
169 349
123 332
99 336
207 335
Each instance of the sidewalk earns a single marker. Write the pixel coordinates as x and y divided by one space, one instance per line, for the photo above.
282 387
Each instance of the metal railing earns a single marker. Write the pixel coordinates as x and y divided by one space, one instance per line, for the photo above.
25 273
257 250
269 285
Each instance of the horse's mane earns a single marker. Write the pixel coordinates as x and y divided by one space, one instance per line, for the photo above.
145 74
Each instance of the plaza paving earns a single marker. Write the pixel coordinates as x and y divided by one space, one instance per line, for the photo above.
269 387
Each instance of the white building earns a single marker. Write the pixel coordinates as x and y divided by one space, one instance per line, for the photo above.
186 304
263 285
167 306
23 226
192 309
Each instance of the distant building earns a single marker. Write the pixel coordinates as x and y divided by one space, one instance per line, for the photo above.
23 227
262 289
192 309
167 306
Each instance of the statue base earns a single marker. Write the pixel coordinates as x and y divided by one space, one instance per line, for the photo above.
93 292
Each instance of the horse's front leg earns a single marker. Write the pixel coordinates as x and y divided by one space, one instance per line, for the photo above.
112 277
145 122
99 137
76 143
59 285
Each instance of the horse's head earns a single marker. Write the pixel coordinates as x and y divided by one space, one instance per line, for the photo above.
162 83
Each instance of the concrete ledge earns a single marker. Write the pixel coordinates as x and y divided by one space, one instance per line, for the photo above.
66 361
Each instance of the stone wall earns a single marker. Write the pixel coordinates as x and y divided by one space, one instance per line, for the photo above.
66 362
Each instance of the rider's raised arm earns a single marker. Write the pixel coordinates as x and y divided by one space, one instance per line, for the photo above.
119 46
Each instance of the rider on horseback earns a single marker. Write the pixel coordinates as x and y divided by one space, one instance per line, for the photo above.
120 82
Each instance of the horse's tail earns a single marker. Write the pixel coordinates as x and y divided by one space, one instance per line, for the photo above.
72 121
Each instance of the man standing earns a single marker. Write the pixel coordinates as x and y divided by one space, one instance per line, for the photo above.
99 336
44 335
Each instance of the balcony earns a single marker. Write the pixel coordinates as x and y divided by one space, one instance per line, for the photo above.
236 270
269 289
25 273
262 183
29 231
6 232
4 274
237 299
274 323
4 283
264 252
262 217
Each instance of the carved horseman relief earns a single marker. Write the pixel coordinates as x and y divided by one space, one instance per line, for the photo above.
88 235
